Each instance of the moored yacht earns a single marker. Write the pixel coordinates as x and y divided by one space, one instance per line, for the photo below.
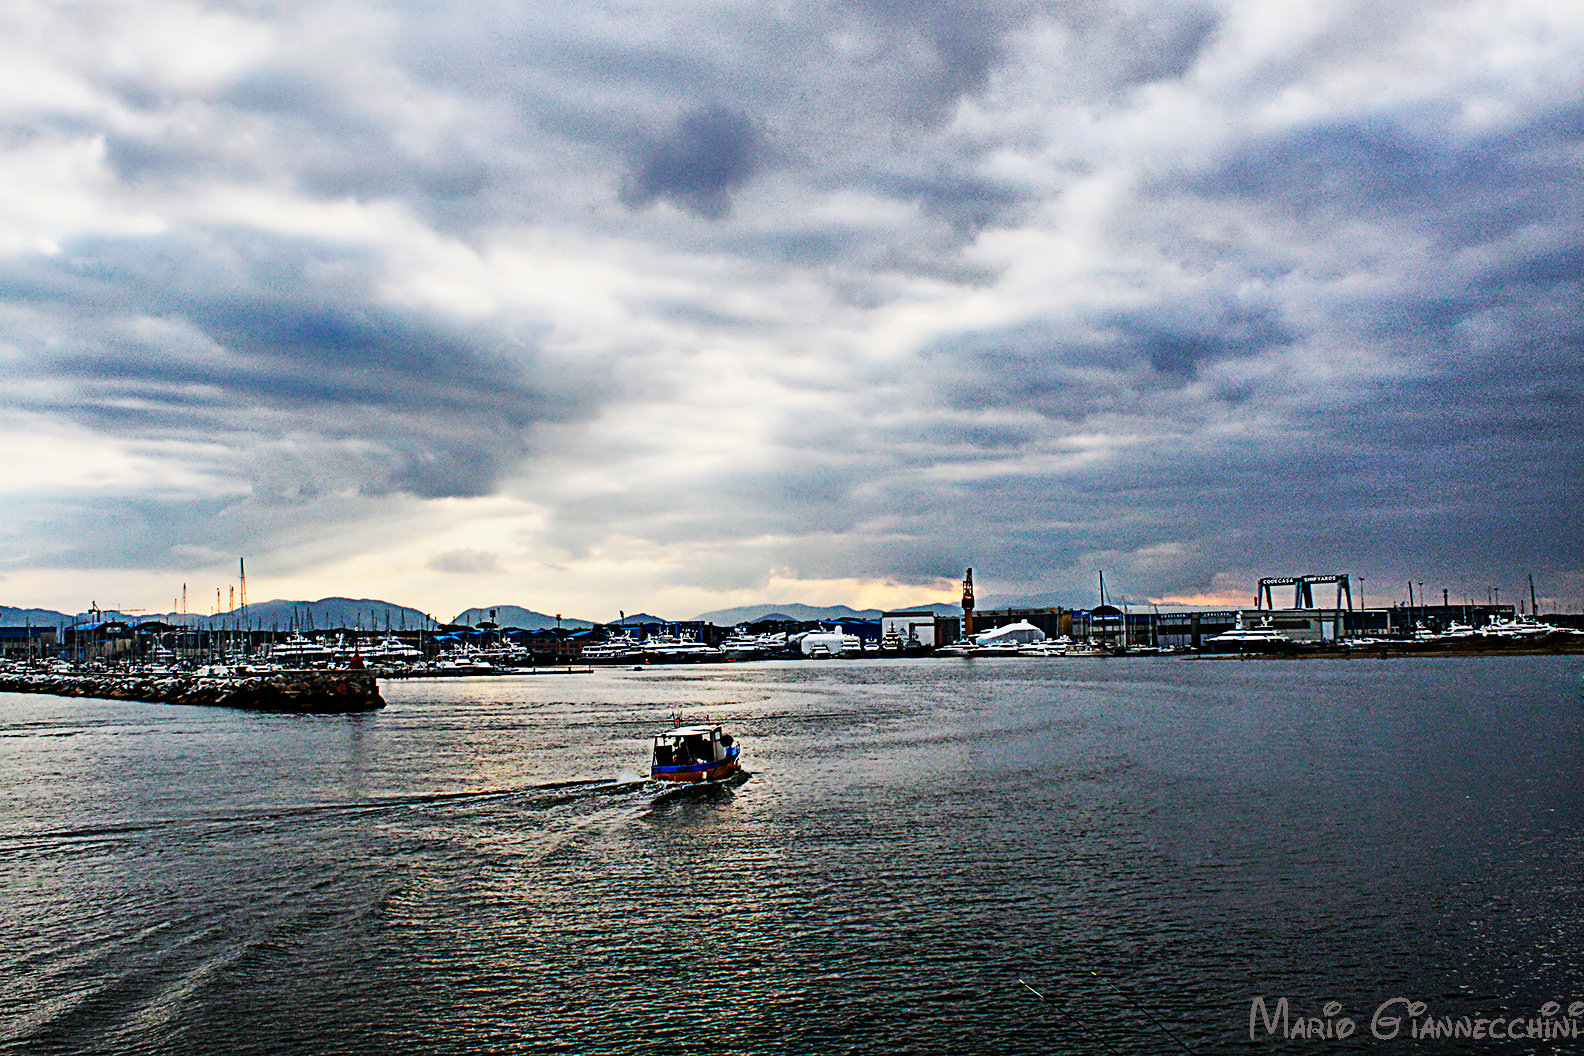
1049 647
298 651
1242 638
391 650
674 648
617 649
1521 626
828 642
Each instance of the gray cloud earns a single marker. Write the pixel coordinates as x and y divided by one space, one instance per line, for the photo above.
999 284
463 562
309 400
708 154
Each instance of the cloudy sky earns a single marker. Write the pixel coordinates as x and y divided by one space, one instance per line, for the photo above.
672 306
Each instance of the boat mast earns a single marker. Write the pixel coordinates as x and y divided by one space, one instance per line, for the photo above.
242 573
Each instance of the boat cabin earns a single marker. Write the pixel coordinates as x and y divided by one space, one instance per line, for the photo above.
691 744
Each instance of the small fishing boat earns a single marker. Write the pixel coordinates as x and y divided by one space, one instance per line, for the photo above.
694 753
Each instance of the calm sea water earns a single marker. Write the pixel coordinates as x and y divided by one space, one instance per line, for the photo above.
1149 844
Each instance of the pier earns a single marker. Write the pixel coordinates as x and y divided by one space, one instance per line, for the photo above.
292 692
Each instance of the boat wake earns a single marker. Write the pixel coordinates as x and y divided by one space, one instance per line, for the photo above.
543 796
670 792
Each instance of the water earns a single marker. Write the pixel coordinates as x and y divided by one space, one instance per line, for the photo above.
1149 844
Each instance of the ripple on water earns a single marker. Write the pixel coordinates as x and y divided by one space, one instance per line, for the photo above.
1148 845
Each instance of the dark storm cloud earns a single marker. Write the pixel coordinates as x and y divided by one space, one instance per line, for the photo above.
966 200
709 153
1177 340
125 531
1166 46
1389 167
964 39
333 141
945 50
1053 369
256 341
1022 286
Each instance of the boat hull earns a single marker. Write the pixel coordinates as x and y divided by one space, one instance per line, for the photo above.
689 773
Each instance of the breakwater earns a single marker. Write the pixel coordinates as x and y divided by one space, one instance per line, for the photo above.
302 692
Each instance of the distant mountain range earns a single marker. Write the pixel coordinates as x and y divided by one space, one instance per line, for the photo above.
11 617
807 613
516 616
368 613
374 614
324 614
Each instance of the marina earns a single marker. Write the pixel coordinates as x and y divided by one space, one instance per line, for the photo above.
104 645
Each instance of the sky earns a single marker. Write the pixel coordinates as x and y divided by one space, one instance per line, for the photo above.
675 306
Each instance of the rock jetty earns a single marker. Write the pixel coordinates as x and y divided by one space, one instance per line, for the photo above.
300 692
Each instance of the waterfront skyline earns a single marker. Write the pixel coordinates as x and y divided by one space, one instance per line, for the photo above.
676 308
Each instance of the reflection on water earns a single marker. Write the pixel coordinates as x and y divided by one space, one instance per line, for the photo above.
1021 856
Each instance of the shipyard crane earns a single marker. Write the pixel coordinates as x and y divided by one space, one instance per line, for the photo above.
968 604
1303 592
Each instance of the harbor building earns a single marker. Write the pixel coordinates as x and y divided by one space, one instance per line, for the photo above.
105 640
27 643
1054 622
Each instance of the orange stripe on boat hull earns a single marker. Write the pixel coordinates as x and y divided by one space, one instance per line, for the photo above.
714 773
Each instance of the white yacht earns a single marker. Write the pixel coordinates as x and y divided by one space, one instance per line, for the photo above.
1242 638
828 642
741 645
298 651
392 650
677 647
617 649
464 661
1049 647
1520 626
